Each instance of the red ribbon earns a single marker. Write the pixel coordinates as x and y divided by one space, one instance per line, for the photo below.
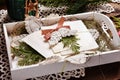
47 33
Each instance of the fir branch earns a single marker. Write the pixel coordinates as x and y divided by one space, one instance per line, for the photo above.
71 42
116 21
27 54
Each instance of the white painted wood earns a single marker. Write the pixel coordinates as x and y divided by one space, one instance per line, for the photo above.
94 60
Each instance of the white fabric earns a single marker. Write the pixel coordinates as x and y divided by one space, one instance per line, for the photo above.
3 15
117 1
107 8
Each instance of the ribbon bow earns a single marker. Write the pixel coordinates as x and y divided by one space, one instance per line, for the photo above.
47 33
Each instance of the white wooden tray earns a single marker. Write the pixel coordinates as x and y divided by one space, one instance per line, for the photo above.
94 60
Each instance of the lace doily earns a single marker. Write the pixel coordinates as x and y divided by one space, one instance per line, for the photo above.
3 15
117 1
105 7
46 11
4 62
63 75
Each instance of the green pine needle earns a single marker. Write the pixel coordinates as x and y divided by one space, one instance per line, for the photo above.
116 21
27 54
71 42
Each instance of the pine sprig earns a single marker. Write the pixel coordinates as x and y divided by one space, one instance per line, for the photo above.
71 42
27 54
116 21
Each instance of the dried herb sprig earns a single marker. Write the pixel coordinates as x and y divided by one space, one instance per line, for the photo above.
19 29
71 42
27 54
